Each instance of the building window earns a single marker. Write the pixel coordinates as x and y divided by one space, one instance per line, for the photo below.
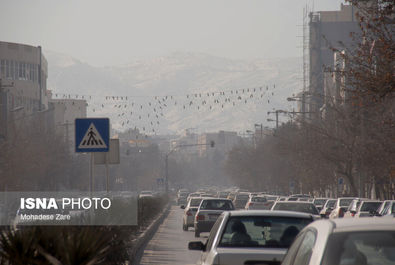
31 70
12 69
20 71
7 69
16 70
2 68
24 71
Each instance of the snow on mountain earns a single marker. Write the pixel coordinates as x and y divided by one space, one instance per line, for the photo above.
188 80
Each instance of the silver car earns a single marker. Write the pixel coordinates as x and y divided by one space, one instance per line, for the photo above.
350 241
190 212
251 237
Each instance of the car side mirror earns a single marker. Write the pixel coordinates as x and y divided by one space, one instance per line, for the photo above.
182 206
196 245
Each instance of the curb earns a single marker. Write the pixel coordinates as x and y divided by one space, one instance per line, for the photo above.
141 242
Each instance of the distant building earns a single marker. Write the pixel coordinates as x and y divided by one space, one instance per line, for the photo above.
189 137
23 82
224 141
65 112
327 29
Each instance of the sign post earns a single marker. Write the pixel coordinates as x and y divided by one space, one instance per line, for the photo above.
92 135
111 157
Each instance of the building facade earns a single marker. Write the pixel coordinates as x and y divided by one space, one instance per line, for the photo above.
224 141
327 29
23 82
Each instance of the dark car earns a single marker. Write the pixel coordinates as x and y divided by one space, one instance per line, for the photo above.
208 212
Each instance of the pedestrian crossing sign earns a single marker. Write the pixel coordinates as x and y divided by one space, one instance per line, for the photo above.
92 135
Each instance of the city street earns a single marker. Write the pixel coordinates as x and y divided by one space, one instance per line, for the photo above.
170 243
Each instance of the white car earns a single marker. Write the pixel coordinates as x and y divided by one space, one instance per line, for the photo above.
259 203
303 207
387 208
362 208
146 193
251 237
349 241
328 208
341 207
190 212
319 203
241 200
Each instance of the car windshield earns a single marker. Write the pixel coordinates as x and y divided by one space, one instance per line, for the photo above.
195 202
216 205
262 231
319 201
242 197
366 247
345 202
370 206
296 207
258 199
330 203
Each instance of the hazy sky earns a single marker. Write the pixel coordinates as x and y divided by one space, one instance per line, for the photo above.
110 32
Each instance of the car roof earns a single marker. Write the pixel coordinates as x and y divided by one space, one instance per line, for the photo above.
270 213
215 199
356 224
296 202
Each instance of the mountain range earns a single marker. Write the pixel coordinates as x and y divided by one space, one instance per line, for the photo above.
182 90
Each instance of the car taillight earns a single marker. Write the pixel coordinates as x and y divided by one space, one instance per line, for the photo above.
199 217
189 213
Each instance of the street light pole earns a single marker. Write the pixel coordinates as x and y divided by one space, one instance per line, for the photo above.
167 172
276 119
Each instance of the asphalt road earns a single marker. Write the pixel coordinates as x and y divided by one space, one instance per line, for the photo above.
170 243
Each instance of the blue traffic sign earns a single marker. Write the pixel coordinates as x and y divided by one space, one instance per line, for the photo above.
340 181
92 135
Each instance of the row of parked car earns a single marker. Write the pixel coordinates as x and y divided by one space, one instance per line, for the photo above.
290 230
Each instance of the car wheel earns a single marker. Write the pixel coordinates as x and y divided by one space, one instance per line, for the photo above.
197 233
184 227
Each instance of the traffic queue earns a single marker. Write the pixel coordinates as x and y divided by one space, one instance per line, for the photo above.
260 228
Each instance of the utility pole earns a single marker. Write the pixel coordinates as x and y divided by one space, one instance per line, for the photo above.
288 112
276 112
